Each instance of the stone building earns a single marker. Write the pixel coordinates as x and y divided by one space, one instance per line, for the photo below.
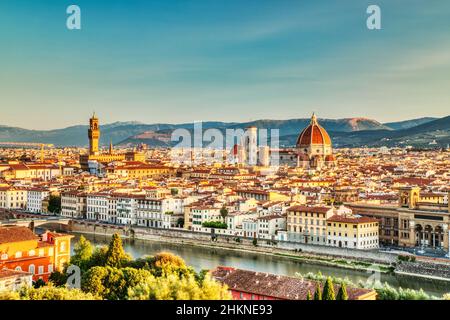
417 221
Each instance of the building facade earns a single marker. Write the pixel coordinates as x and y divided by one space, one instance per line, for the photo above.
22 250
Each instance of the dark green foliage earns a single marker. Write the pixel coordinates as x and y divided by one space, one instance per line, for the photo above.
342 293
328 290
38 284
224 213
59 279
318 293
54 204
406 258
215 224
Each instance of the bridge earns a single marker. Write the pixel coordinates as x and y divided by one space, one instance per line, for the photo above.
33 220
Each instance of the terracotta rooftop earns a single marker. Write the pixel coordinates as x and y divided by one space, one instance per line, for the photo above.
276 286
16 234
7 273
309 209
351 219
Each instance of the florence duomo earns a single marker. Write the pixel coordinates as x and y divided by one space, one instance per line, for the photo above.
314 147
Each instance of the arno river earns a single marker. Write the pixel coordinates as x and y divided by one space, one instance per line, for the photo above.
206 258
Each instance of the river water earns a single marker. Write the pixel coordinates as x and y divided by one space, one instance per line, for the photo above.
207 258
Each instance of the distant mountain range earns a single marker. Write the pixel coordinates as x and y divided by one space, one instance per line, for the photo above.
408 123
349 132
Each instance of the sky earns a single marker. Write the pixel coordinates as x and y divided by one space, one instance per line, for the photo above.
179 61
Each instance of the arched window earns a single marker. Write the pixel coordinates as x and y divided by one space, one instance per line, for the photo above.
4 256
18 269
19 254
31 268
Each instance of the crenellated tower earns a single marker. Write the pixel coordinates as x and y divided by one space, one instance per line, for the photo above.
94 135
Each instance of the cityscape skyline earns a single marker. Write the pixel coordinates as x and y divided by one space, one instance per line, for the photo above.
223 61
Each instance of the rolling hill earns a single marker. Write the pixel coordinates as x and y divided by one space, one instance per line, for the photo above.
344 132
408 123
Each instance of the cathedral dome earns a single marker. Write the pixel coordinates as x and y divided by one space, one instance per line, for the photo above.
313 134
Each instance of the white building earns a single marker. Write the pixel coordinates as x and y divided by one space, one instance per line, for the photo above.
126 210
74 204
34 199
149 213
268 226
13 198
250 228
202 214
97 207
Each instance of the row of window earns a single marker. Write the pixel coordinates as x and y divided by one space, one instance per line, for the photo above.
317 222
309 214
41 269
32 253
362 235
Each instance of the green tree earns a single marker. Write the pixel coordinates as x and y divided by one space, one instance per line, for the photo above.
54 204
167 263
342 293
58 278
308 295
318 293
172 287
224 213
38 283
116 256
328 290
93 281
50 292
98 257
83 251
113 283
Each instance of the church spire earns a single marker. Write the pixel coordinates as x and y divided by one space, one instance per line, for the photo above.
111 150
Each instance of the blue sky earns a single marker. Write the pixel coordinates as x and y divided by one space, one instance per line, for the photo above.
230 60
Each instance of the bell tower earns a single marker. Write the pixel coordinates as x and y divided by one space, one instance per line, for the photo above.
94 135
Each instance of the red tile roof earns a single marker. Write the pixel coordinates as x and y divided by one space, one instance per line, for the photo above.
16 234
272 285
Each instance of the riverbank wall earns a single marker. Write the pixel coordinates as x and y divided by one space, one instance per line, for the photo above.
285 249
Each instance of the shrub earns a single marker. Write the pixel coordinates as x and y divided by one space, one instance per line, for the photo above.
215 225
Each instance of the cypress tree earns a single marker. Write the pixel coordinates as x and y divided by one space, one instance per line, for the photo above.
115 256
342 293
328 290
308 295
318 293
